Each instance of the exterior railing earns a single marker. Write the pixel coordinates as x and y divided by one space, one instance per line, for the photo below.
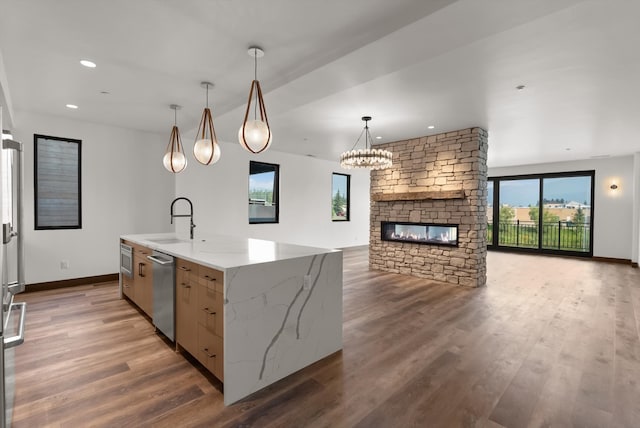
561 235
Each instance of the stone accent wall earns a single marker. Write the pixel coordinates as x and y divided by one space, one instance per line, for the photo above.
450 161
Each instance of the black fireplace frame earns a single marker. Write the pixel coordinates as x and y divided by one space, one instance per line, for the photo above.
419 242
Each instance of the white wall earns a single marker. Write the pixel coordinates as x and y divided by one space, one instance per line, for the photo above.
125 190
220 197
635 237
613 210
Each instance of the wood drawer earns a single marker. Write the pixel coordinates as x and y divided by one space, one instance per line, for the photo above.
186 270
211 352
210 310
138 249
211 278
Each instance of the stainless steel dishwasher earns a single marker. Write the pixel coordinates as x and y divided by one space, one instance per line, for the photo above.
164 274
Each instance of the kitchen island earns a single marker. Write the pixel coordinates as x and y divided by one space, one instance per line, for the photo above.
281 304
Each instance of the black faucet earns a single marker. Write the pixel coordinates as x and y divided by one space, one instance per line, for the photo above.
190 215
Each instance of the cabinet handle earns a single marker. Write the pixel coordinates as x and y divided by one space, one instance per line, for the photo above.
185 285
140 271
206 351
186 269
209 311
208 278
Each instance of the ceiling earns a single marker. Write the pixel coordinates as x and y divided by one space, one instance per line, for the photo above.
408 63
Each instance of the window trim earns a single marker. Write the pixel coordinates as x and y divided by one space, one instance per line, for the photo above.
276 192
348 216
36 138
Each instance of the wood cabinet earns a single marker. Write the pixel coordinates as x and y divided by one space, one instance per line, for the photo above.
143 274
139 288
199 314
187 305
210 351
128 287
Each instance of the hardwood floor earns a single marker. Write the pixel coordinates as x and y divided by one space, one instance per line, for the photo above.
549 342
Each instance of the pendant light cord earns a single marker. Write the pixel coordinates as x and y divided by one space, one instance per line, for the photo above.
207 85
255 77
366 138
175 117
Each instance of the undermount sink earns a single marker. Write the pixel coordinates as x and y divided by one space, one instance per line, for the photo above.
168 240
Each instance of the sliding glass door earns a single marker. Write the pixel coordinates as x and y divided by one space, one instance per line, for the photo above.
566 214
517 227
550 213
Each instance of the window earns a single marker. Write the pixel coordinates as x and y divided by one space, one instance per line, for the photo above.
549 213
340 203
264 183
57 183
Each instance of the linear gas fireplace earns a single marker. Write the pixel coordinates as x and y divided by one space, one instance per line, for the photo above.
420 233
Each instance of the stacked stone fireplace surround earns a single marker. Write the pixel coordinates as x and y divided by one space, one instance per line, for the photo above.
447 176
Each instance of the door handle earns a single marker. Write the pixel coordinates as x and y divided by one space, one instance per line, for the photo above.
159 261
10 342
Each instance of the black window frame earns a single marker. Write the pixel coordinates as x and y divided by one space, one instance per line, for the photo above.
36 138
494 245
348 197
276 191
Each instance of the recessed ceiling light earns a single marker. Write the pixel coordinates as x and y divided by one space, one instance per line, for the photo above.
378 137
568 149
87 63
520 87
72 106
431 126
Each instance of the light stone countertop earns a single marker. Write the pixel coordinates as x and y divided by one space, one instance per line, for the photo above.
223 252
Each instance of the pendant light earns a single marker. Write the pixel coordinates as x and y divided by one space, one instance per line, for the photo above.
367 158
255 135
206 148
174 159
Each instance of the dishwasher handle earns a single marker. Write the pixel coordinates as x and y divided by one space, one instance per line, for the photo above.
160 261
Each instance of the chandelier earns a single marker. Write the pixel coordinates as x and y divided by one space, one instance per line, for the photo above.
367 158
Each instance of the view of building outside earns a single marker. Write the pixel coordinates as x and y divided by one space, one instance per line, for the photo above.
565 210
263 193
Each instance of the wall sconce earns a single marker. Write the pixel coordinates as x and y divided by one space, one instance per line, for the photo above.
613 186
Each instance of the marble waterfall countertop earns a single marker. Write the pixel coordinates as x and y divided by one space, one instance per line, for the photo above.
223 252
282 304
